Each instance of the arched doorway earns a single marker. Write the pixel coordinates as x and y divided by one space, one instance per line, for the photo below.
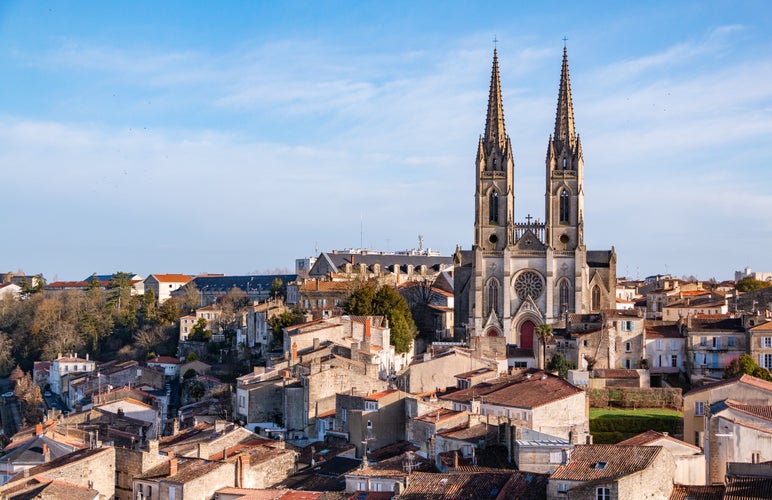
527 328
492 332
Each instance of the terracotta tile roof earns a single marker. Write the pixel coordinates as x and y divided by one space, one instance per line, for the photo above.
587 462
393 467
172 278
535 389
326 286
188 469
744 379
168 360
378 395
61 461
691 492
760 411
474 433
748 488
662 330
253 494
473 373
649 437
438 415
764 327
468 485
42 488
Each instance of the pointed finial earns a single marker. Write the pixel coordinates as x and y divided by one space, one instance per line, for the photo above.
495 42
564 42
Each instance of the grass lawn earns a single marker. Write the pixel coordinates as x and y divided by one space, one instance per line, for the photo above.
614 425
644 412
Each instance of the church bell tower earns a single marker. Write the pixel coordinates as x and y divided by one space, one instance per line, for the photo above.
565 169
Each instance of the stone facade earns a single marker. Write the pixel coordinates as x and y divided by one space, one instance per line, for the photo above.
521 274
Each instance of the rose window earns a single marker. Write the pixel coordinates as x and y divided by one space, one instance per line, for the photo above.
528 284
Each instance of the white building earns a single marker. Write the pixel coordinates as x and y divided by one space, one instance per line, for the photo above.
63 366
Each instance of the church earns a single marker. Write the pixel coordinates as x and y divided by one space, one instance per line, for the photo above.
523 273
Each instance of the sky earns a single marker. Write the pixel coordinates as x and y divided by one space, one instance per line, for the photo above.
234 137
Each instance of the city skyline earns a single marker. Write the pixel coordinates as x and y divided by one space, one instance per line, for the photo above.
186 138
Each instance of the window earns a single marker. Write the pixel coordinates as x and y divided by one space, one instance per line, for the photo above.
343 415
172 493
493 207
564 296
703 341
659 344
602 493
766 341
628 347
674 345
716 342
596 298
369 424
371 405
699 408
362 486
730 341
493 296
564 207
562 487
674 360
765 361
585 343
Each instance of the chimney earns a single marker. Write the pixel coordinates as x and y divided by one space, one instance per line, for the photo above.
152 446
173 466
38 429
201 450
175 426
368 326
455 459
294 352
316 343
46 453
86 356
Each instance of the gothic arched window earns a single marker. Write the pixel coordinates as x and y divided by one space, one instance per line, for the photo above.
493 296
564 295
493 207
565 210
595 298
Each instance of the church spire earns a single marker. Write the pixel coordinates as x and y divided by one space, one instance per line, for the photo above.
564 120
495 133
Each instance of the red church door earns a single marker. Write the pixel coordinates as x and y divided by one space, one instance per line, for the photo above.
526 334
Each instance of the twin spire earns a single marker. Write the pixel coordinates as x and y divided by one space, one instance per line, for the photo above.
564 118
495 133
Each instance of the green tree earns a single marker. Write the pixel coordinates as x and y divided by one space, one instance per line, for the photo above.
745 364
750 284
192 356
277 288
29 394
368 300
280 321
560 364
7 361
199 332
119 289
544 332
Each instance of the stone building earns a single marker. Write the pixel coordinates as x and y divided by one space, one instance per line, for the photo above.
606 471
521 274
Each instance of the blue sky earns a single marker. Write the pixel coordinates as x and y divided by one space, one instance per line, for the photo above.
234 137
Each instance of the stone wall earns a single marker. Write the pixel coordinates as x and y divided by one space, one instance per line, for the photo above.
96 470
130 463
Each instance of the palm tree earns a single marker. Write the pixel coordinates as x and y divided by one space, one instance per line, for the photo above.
544 332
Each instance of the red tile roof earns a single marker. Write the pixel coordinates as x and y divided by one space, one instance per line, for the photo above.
605 461
648 437
744 379
174 278
168 360
692 492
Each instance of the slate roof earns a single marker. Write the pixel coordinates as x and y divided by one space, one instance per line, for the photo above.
716 324
586 463
222 284
337 261
598 258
